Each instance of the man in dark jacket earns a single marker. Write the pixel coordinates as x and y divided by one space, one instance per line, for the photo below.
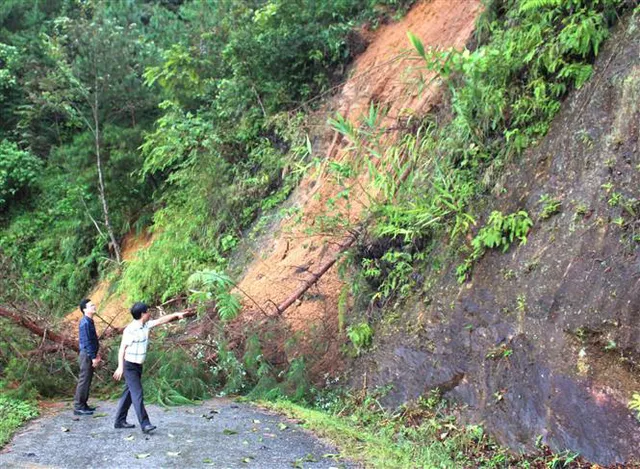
89 358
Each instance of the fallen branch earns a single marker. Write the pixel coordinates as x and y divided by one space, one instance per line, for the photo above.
346 244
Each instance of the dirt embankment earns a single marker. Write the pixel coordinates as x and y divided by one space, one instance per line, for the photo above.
386 74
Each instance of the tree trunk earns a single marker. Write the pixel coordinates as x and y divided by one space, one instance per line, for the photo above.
38 330
64 341
346 244
105 208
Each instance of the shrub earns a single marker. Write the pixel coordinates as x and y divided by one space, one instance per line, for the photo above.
18 171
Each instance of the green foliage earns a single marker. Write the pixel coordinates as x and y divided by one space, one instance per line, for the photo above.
13 413
252 358
499 232
173 377
18 171
229 374
55 239
550 206
634 404
529 5
9 61
360 335
179 74
296 384
37 378
393 270
215 286
50 240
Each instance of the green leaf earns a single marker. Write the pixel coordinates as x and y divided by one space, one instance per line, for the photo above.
417 44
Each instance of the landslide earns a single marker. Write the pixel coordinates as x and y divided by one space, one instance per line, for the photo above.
387 74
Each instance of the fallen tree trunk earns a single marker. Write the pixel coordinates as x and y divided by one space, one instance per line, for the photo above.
38 330
61 340
346 244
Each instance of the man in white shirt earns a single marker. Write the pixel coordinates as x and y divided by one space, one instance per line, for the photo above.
131 356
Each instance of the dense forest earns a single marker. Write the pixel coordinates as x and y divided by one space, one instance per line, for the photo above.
194 122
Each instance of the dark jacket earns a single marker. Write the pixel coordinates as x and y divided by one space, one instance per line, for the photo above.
88 337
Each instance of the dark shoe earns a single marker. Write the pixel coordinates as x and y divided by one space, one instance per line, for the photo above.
124 425
148 428
82 412
88 407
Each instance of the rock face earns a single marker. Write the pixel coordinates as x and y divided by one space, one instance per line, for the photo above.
545 339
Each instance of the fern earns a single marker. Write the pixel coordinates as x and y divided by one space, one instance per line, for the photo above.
360 335
499 232
531 5
214 285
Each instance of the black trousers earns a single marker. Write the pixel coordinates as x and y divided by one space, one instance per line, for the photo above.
132 394
84 382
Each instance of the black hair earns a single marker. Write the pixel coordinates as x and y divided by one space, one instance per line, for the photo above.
83 304
138 309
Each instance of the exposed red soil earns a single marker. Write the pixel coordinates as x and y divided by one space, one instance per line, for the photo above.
387 73
112 309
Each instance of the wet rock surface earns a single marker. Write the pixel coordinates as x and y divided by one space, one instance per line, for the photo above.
218 434
544 341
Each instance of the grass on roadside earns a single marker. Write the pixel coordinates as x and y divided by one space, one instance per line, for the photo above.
13 413
426 433
417 437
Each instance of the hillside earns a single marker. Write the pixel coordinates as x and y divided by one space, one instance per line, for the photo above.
386 74
417 220
545 339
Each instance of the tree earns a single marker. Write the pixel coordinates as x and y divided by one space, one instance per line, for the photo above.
96 79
